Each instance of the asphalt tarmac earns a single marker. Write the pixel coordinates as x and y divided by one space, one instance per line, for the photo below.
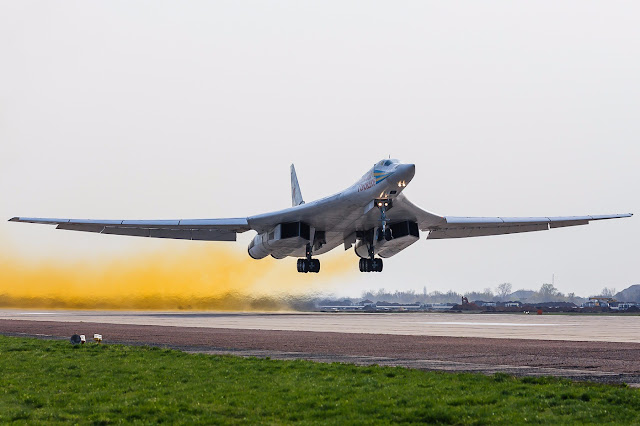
600 347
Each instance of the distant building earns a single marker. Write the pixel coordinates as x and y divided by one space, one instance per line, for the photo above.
622 306
512 304
438 306
555 305
599 301
337 308
486 304
391 306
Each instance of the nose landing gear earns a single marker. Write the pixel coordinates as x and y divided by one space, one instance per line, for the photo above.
384 234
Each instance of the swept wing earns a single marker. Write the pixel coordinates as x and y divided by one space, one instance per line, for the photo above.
462 227
189 229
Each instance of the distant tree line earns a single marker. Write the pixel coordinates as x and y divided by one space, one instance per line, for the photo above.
502 293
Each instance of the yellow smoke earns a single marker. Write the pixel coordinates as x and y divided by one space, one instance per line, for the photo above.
202 277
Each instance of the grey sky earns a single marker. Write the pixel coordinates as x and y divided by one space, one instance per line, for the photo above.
196 109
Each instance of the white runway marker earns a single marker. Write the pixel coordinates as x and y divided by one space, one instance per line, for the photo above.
505 324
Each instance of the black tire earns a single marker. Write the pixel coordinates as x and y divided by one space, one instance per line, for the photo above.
314 265
376 265
361 264
387 234
300 265
369 265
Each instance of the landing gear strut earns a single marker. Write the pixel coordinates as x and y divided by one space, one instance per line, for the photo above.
308 264
384 231
373 264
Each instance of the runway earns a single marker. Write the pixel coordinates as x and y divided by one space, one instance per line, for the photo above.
600 348
579 328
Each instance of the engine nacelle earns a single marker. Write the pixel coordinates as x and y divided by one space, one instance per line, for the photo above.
281 241
259 247
403 234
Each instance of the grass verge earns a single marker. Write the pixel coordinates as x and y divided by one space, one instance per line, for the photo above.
46 381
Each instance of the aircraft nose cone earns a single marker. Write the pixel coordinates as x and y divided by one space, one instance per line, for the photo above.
404 173
412 169
407 171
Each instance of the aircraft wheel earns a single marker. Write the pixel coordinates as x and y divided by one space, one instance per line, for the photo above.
370 265
387 234
303 266
376 265
314 265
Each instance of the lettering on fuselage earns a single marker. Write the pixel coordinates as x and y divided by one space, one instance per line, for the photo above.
368 184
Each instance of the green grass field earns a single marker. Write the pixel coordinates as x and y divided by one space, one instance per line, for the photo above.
43 381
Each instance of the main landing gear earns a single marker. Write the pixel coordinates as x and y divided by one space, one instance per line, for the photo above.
374 264
308 264
371 265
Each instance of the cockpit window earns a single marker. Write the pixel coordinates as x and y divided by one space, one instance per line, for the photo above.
387 162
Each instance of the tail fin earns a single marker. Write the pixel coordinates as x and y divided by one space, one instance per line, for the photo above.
296 195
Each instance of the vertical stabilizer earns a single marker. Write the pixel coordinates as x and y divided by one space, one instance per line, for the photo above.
296 195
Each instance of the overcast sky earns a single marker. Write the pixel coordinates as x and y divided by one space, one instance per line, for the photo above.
196 109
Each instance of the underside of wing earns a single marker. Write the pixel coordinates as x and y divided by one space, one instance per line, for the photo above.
462 227
189 229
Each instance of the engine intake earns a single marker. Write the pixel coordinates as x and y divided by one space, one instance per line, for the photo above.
281 241
403 234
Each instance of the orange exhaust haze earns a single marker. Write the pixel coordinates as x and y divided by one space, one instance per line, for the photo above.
210 277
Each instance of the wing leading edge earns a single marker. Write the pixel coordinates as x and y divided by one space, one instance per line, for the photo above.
462 227
190 229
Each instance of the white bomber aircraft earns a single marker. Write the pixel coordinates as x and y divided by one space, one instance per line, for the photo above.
372 214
